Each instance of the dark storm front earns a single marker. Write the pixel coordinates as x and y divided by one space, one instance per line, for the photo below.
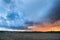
29 36
22 13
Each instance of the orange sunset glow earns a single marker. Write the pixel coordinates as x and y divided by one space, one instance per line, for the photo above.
46 27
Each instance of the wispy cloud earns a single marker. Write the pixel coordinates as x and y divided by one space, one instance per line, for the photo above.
8 29
47 26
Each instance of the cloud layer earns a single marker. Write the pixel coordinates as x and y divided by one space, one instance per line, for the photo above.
19 14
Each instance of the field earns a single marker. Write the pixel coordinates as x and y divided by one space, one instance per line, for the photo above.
29 36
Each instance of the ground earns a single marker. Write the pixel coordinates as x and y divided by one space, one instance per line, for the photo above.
29 36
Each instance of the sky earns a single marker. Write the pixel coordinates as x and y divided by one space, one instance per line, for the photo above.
21 14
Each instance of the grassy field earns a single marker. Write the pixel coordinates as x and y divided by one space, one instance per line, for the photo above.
29 36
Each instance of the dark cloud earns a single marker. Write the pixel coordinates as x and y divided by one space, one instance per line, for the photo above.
20 27
7 1
12 16
55 12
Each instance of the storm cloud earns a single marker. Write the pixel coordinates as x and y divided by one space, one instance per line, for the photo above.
23 13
